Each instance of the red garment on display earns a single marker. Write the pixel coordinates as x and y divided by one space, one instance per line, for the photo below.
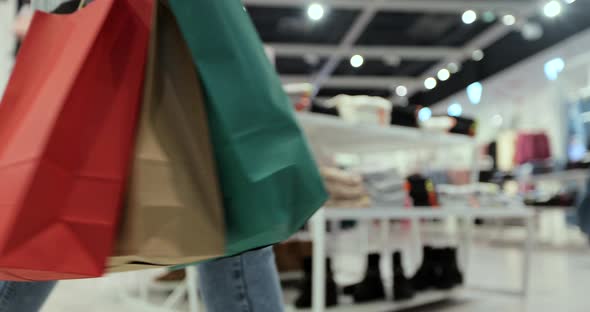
532 147
67 127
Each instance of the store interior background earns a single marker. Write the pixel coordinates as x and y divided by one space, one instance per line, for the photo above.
526 64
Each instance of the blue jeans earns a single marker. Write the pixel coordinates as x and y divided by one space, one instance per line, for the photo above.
245 283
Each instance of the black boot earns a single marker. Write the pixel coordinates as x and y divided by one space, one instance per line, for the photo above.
449 273
371 287
349 290
425 276
371 265
305 288
402 287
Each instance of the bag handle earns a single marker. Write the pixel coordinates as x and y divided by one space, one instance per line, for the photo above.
82 5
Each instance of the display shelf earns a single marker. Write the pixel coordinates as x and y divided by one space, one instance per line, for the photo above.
426 212
337 135
422 299
329 134
465 214
580 175
543 208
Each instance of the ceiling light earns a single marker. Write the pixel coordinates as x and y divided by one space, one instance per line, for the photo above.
424 114
392 60
443 74
356 61
532 31
497 120
453 67
508 20
570 1
489 16
401 91
315 11
430 83
469 17
477 55
554 67
311 59
455 110
552 9
475 92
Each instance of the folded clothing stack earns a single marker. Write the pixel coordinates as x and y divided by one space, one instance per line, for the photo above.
475 194
406 116
362 109
422 191
386 187
346 189
564 199
457 125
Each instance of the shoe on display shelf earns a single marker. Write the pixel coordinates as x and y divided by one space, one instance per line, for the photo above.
402 286
305 288
371 288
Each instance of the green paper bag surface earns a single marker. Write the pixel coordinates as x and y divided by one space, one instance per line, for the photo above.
269 180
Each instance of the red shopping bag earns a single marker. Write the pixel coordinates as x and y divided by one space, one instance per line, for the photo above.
67 126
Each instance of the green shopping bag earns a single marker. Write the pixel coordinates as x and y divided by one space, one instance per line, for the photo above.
269 180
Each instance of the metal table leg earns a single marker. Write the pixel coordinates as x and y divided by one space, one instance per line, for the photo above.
318 233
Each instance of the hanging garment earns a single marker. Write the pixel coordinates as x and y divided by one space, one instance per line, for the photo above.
505 151
532 147
386 187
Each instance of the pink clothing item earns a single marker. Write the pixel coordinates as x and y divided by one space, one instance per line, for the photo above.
532 147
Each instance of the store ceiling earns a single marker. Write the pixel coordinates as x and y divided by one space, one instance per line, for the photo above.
403 42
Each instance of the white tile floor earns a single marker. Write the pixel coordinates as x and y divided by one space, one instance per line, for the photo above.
560 281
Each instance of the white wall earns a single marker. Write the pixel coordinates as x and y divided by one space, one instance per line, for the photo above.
525 99
7 41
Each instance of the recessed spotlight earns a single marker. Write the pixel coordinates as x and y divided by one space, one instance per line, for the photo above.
401 91
430 83
455 110
508 20
424 114
554 67
453 67
392 60
552 9
497 120
443 74
315 11
356 61
489 16
532 31
469 17
477 55
311 59
475 92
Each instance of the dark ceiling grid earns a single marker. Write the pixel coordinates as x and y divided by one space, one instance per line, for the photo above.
292 25
510 50
391 29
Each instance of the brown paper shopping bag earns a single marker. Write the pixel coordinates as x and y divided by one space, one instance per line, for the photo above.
174 212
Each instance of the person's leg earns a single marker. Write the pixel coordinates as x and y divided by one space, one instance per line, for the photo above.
24 296
245 283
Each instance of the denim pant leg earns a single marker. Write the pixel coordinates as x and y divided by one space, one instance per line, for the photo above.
245 283
24 296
